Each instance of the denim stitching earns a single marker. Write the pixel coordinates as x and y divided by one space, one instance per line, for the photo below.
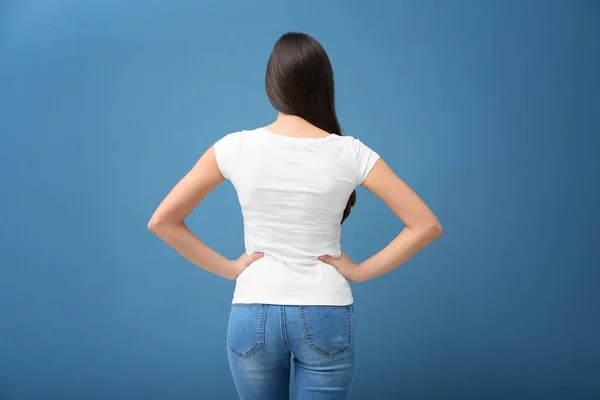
261 332
318 349
283 330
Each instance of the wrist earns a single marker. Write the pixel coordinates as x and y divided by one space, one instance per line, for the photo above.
358 275
229 270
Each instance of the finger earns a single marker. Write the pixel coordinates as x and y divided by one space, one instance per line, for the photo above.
329 260
256 256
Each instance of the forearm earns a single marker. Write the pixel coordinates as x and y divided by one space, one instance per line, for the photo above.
182 240
408 243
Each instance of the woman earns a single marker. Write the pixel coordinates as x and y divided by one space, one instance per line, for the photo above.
295 181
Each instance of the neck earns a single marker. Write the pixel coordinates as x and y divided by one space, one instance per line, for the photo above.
292 125
291 121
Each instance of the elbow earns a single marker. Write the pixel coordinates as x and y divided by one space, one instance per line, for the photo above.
158 225
430 230
434 229
155 225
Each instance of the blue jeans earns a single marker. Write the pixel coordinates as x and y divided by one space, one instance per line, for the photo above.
263 340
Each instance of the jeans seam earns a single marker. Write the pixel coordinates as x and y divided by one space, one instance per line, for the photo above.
350 313
283 329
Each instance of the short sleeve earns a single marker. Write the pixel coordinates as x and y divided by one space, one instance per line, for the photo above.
226 150
365 159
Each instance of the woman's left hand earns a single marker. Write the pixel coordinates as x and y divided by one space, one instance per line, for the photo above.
344 265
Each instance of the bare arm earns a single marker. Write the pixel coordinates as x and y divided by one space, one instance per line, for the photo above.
168 219
421 227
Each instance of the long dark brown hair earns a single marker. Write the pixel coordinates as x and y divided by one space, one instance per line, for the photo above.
299 81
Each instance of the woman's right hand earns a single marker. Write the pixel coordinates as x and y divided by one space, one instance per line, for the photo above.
238 266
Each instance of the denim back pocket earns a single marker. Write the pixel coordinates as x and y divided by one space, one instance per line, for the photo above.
328 329
246 328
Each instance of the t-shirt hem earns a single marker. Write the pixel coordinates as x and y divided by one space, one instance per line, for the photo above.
293 301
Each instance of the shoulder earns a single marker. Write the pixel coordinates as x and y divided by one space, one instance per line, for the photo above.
226 149
351 143
240 135
232 140
347 139
360 156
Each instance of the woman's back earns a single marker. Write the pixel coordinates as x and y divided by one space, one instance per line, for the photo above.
293 192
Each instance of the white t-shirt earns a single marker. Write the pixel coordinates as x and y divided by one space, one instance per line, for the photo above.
292 192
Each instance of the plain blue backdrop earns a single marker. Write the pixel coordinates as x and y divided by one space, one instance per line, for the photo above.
490 110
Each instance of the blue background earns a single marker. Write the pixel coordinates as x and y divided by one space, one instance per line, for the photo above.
490 110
